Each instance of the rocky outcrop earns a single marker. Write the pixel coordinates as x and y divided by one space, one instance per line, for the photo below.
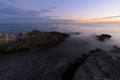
100 65
30 40
72 67
103 37
6 38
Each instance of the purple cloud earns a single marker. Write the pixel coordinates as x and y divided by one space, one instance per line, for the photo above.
10 10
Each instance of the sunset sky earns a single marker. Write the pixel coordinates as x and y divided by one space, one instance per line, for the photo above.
82 11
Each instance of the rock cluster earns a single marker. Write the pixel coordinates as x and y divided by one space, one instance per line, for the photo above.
103 37
28 40
100 65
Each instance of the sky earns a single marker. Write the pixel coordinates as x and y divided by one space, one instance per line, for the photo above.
81 11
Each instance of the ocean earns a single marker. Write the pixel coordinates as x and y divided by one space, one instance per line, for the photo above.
50 64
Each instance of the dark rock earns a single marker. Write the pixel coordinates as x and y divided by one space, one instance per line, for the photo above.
103 37
74 33
29 40
72 67
57 33
100 65
95 51
77 33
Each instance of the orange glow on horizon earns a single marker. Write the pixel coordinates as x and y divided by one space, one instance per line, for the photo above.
110 20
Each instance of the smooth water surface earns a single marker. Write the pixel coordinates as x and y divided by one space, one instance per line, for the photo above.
50 64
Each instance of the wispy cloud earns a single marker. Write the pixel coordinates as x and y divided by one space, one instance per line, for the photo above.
107 17
45 10
10 10
54 7
11 14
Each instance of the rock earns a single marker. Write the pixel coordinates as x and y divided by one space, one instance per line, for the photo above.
24 33
1 35
29 40
72 67
74 33
103 37
6 38
77 33
100 65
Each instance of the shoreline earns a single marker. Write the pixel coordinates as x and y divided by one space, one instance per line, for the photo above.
64 66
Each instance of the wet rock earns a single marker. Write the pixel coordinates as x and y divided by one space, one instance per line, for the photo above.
74 33
72 67
77 33
103 37
100 65
29 40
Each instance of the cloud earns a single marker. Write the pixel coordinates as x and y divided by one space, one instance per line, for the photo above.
19 12
107 17
6 0
10 14
54 7
15 20
10 10
45 10
52 17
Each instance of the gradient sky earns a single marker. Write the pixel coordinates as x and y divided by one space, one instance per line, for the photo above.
78 10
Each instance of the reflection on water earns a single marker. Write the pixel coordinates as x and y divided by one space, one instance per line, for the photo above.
49 64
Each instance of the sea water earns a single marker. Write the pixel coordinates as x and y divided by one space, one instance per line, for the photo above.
50 64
